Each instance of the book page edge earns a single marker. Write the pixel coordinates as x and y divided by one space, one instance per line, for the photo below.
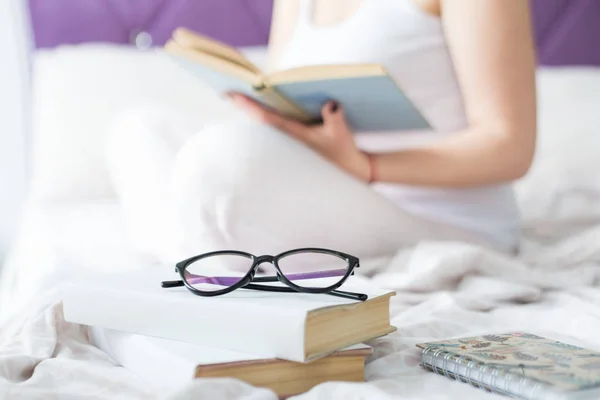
325 72
365 352
216 63
352 305
188 38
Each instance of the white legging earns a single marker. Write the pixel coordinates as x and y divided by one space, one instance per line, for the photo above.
245 186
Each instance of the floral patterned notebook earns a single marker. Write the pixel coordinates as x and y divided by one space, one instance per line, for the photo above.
515 364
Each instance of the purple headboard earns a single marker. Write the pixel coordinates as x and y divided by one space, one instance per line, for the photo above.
237 22
567 32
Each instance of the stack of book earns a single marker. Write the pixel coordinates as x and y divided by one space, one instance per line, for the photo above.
287 342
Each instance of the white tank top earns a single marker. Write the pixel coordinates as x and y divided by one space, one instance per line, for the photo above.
411 45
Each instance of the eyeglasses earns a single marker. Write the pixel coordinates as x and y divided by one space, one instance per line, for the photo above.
308 270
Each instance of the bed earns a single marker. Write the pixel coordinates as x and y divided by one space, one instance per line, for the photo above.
87 54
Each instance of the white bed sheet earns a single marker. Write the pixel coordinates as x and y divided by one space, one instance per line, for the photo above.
444 290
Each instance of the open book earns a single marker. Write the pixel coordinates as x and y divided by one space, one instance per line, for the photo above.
371 99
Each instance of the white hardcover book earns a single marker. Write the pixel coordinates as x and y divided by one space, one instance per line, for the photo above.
166 363
291 326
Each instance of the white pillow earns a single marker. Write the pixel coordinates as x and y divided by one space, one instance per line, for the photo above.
564 181
80 90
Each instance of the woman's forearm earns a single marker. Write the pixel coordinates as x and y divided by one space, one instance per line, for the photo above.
492 48
468 158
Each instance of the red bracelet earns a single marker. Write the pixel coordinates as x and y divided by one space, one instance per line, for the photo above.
372 168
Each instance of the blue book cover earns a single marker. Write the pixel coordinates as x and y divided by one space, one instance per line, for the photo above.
370 103
371 99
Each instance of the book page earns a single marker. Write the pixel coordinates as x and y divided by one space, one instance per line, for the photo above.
190 40
208 63
324 72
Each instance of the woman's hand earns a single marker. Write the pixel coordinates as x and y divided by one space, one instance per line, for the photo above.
332 139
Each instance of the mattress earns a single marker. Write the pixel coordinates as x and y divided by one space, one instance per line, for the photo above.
444 290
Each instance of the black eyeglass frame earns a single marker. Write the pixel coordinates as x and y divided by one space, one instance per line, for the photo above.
249 280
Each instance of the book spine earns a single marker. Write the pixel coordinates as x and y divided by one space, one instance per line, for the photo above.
486 377
272 98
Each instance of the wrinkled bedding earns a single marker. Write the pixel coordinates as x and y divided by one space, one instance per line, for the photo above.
444 290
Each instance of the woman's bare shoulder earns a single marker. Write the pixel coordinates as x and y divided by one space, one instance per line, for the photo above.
433 7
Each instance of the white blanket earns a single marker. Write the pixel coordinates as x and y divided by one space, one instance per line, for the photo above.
444 290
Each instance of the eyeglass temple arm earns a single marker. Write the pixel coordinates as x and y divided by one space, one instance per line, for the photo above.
280 289
171 284
265 288
303 275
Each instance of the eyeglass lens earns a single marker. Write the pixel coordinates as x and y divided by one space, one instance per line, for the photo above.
313 270
304 269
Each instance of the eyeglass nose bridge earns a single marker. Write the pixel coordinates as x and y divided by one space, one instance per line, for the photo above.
261 260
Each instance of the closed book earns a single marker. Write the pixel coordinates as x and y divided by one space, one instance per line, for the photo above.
520 365
171 364
371 98
292 326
